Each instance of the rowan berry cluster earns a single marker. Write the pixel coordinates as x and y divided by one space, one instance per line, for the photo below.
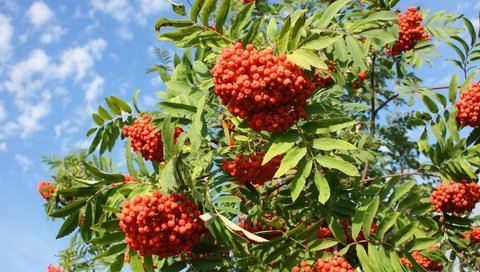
46 189
146 139
411 31
468 107
324 232
361 78
456 197
129 179
426 263
474 235
250 169
161 225
322 80
321 265
270 92
52 268
261 226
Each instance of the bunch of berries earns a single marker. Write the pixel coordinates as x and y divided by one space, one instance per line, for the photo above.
411 31
361 78
321 265
52 268
324 232
46 189
129 179
304 267
249 169
323 79
456 197
428 264
468 107
260 226
270 92
474 235
161 225
149 144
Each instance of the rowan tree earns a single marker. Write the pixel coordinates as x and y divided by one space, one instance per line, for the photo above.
273 149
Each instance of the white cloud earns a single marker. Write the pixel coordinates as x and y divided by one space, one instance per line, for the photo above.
52 34
31 113
124 33
120 10
94 88
40 14
3 146
3 112
6 33
24 161
150 7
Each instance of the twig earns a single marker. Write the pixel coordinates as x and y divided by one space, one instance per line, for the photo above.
365 180
385 103
373 111
286 181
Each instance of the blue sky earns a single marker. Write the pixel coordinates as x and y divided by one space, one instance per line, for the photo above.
58 59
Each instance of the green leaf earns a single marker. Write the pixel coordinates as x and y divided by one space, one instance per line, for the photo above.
339 164
337 229
117 264
69 225
319 244
327 125
404 233
122 105
357 221
178 8
98 119
296 31
281 144
240 21
108 238
282 38
168 129
227 199
300 178
252 33
370 216
386 224
177 108
322 187
319 42
364 260
135 261
272 30
222 15
306 59
69 208
452 89
103 113
99 173
129 160
111 251
148 263
96 140
134 99
400 191
330 13
195 10
168 182
471 30
331 144
374 17
233 227
164 22
290 160
430 104
421 243
355 48
207 9
395 262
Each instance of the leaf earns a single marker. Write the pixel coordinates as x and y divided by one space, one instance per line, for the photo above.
370 216
240 21
400 191
272 30
306 59
222 15
97 119
168 129
364 260
290 160
339 164
374 17
178 8
331 144
227 199
452 89
233 227
207 9
117 264
430 104
134 99
357 220
135 261
337 229
471 31
122 105
327 125
108 238
103 113
129 160
168 182
395 262
111 251
318 42
69 208
195 10
252 33
99 173
69 225
282 38
356 51
177 108
319 244
330 13
281 144
404 233
296 31
96 140
300 178
385 225
322 186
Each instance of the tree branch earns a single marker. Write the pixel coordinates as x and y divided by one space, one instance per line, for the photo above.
373 111
385 103
365 180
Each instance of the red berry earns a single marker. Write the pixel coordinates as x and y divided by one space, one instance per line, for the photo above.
456 197
52 268
474 235
46 189
411 31
468 107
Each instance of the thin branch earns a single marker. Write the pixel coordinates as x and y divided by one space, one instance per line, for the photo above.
386 102
286 181
373 111
365 180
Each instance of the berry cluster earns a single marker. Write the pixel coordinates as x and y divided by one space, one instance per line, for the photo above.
146 139
361 78
52 268
474 235
46 189
428 264
411 31
323 79
249 169
324 232
468 107
161 225
321 265
129 179
456 197
260 226
270 92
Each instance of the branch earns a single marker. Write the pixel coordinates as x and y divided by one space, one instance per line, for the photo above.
386 102
286 181
365 180
373 111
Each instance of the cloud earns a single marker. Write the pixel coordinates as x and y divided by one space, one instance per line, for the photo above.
31 113
3 111
93 90
150 7
124 33
52 34
40 14
6 33
3 146
120 10
24 161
